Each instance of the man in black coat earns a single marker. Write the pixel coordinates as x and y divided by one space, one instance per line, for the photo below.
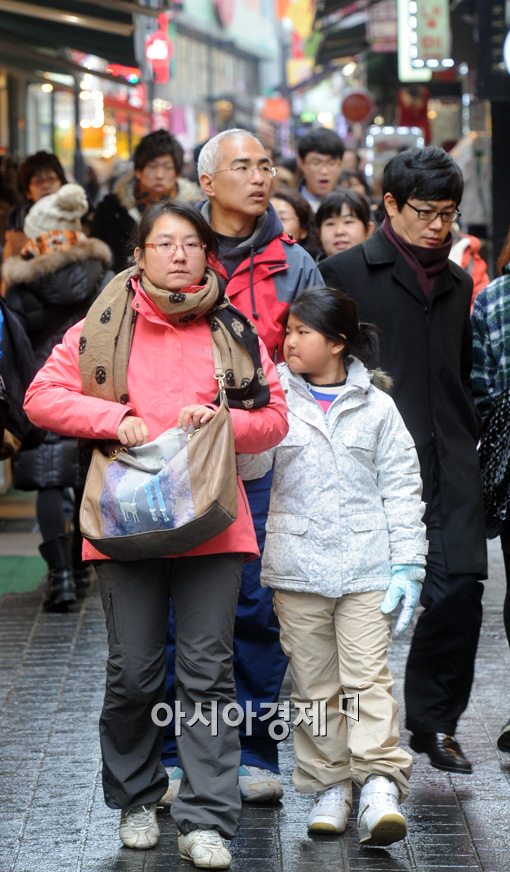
403 281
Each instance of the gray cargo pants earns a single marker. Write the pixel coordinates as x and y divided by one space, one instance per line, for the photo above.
204 592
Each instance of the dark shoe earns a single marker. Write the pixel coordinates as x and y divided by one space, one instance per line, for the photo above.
504 738
444 752
60 587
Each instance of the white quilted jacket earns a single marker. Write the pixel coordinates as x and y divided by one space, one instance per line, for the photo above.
346 495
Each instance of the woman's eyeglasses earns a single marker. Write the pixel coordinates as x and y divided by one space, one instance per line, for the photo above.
168 249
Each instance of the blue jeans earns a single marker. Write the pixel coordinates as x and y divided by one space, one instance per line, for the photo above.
259 662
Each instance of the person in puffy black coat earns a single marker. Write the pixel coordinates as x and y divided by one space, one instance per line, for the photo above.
50 287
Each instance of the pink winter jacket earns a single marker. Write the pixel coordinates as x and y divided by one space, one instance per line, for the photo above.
168 368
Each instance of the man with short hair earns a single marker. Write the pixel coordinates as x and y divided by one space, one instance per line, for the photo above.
264 270
402 280
320 160
158 160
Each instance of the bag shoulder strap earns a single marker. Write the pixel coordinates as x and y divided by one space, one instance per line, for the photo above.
219 375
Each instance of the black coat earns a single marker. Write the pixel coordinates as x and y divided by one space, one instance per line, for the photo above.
17 369
425 346
114 225
49 294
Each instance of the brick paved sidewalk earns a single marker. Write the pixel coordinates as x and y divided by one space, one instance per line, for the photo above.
53 818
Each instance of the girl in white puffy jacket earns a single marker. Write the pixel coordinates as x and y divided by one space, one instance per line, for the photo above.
345 544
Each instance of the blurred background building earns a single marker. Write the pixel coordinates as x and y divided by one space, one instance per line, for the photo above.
88 79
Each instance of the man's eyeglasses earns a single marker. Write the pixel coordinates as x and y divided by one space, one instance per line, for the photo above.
429 215
168 249
242 171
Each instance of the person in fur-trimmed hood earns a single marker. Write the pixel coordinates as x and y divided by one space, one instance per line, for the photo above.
345 545
50 286
158 161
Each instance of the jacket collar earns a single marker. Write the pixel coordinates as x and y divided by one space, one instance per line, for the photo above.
305 407
16 270
378 250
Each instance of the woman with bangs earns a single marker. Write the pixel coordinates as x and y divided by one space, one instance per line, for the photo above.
343 220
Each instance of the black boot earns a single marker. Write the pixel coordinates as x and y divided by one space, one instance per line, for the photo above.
83 573
83 576
60 589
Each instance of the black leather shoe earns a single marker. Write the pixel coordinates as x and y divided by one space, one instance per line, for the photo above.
444 752
60 591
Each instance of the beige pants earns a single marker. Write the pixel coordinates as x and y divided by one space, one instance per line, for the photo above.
339 647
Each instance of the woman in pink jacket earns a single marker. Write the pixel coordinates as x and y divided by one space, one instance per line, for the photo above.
141 362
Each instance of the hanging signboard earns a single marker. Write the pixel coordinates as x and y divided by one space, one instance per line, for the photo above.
433 37
382 26
159 50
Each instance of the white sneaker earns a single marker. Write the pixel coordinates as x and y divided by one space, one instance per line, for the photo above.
205 848
175 774
259 785
331 809
380 821
139 827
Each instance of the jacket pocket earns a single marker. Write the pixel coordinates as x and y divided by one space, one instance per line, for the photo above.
369 545
285 557
285 522
366 441
368 521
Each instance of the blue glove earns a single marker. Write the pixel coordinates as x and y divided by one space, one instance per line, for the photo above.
406 581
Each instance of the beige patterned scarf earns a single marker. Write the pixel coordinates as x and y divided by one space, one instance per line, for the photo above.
107 335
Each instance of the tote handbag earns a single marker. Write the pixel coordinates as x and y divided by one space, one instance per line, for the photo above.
165 497
494 453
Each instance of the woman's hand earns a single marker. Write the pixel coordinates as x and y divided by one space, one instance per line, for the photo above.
132 431
195 415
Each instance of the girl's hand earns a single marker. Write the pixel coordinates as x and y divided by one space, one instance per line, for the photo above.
195 415
132 431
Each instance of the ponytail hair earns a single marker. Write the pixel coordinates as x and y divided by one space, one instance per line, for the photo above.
335 316
370 352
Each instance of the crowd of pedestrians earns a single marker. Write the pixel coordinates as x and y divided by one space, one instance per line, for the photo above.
360 492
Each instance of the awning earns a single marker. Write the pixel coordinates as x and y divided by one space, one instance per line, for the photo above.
104 28
329 12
